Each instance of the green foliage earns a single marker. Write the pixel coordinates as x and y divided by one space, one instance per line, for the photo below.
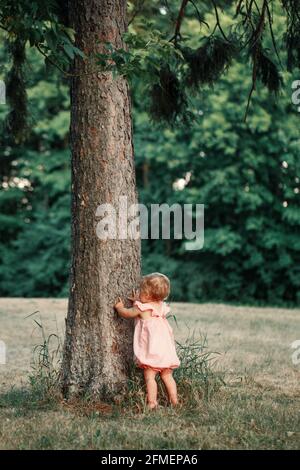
44 25
246 175
35 196
143 57
151 59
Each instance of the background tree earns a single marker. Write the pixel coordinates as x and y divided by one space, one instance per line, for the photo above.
98 347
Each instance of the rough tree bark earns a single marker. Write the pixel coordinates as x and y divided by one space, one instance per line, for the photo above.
98 344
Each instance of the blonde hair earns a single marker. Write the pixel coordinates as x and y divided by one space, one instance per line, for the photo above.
155 286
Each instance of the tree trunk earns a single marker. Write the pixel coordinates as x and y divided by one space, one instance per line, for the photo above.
98 344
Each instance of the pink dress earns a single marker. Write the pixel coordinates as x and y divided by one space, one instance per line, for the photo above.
153 341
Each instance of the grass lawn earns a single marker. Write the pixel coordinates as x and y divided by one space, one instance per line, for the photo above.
257 408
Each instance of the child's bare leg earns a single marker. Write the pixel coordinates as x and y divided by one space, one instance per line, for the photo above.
151 385
168 380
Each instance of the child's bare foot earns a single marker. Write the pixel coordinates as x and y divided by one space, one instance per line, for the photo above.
152 405
173 402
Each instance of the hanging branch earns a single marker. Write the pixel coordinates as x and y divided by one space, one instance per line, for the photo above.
136 11
261 23
179 21
292 36
218 24
203 66
200 19
270 20
254 76
256 36
238 8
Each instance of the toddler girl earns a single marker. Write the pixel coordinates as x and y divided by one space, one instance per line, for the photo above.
153 341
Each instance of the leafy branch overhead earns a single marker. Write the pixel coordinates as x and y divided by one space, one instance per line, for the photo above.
173 62
246 34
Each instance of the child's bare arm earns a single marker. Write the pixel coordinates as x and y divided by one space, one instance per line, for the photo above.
126 312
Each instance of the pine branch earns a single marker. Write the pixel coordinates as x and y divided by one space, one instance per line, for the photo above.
218 24
168 100
272 34
200 19
256 36
208 62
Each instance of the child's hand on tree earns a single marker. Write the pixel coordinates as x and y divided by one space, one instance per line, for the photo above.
119 304
125 312
134 296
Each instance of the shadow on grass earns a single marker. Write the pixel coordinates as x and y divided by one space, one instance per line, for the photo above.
24 401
